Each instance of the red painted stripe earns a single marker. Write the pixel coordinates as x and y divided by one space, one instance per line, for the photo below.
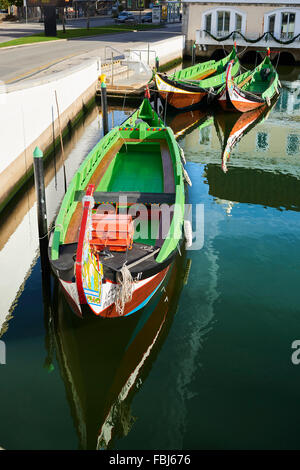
81 294
228 74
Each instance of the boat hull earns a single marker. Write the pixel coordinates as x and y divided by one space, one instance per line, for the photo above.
182 102
240 101
142 292
233 97
178 97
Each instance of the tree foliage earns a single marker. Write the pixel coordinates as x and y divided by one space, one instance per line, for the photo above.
7 3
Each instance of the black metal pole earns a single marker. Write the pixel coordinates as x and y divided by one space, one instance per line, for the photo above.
50 21
104 105
63 20
155 97
88 16
47 304
165 110
157 64
193 53
40 192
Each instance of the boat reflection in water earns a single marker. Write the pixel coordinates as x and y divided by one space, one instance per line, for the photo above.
184 123
231 127
103 362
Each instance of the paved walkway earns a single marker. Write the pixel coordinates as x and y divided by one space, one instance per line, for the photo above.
22 63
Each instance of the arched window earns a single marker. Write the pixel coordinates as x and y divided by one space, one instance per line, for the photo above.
287 25
271 28
207 24
283 23
222 21
238 22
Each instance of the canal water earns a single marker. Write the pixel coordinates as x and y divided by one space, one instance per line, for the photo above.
208 363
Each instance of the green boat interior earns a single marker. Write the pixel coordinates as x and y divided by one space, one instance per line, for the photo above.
260 81
127 173
135 170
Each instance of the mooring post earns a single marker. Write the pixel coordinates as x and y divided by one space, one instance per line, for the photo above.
193 53
157 64
43 244
40 192
104 104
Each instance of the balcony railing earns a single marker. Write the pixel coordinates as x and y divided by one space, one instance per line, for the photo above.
267 39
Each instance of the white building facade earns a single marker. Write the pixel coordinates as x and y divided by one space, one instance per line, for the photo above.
220 23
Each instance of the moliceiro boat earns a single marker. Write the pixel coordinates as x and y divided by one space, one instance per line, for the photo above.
186 89
250 90
121 221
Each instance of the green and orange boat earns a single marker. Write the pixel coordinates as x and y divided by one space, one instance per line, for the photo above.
121 221
187 89
250 90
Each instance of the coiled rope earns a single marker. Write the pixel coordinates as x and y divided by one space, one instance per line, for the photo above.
125 289
186 175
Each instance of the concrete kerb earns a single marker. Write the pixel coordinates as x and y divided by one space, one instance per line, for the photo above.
31 44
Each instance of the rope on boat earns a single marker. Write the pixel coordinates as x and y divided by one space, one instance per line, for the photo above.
125 289
126 282
51 230
186 175
241 52
268 101
188 233
277 60
182 154
187 271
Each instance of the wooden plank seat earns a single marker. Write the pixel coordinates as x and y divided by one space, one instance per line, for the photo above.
132 197
168 171
113 231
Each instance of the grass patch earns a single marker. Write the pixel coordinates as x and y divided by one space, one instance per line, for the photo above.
27 40
79 33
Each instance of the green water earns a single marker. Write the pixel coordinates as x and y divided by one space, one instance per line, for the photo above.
210 360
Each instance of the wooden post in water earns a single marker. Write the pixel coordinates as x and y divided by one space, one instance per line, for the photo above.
43 244
40 192
104 104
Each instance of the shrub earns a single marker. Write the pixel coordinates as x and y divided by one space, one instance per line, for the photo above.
10 17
